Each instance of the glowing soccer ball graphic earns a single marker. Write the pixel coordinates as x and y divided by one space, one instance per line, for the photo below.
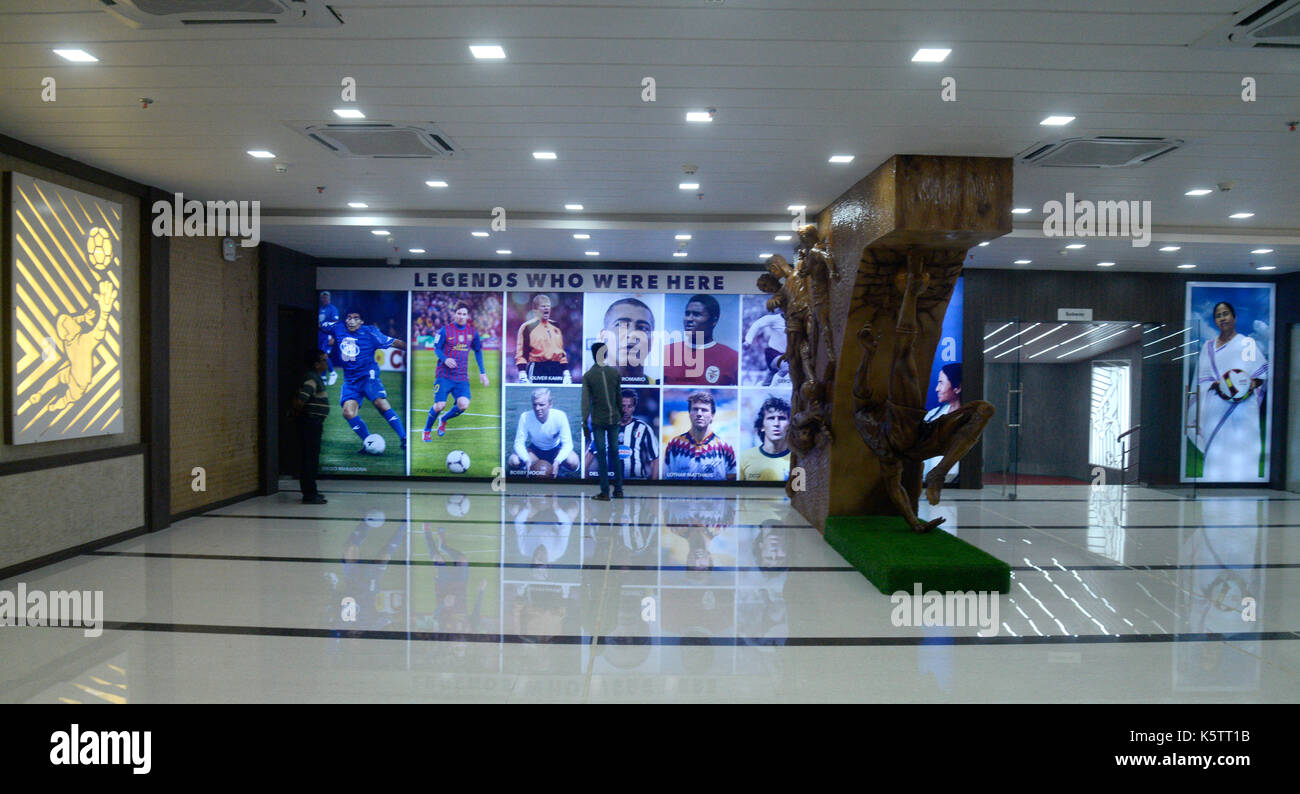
457 461
1235 385
374 444
99 248
458 504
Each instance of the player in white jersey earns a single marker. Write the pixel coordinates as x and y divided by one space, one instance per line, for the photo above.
544 441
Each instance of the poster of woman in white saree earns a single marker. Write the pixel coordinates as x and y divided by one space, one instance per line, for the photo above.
1228 422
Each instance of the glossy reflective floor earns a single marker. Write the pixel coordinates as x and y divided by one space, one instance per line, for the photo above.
442 592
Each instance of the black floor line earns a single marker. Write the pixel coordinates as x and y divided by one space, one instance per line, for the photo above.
578 494
583 639
666 568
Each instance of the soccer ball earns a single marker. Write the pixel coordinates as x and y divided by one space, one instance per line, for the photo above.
374 444
457 461
458 504
1235 384
99 248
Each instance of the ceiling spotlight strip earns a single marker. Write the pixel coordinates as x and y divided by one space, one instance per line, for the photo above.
1013 336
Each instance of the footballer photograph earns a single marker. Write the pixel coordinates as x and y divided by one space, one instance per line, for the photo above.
362 334
762 344
701 334
544 426
700 430
455 383
543 337
632 326
764 433
638 436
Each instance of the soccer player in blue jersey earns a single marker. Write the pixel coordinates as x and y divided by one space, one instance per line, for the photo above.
357 344
452 345
329 313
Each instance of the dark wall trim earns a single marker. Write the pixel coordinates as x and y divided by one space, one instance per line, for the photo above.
75 168
64 554
155 365
71 459
214 506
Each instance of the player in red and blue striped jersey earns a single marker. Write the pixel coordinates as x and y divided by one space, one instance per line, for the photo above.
452 345
698 454
357 344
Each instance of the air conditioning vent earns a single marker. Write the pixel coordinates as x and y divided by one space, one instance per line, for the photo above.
1103 151
164 14
381 140
1263 23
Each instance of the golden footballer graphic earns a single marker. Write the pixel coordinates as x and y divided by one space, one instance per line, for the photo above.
67 312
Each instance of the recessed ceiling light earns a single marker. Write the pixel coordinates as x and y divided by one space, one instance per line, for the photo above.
841 158
503 251
1267 267
982 245
1021 211
479 234
1023 261
358 205
764 256
796 207
349 113
416 250
1076 246
581 236
1056 121
1199 191
435 183
679 253
1262 251
488 52
379 232
689 186
543 155
1172 248
699 116
681 237
1241 215
930 55
573 207
592 253
1186 267
1105 264
261 154
76 56
783 238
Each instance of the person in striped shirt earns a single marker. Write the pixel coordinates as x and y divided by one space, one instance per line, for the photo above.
698 454
452 346
539 349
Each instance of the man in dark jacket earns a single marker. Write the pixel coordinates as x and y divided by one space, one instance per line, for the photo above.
601 406
311 406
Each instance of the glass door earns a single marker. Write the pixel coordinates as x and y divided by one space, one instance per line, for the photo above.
1004 387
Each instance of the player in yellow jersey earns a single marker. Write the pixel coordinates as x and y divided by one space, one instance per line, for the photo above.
769 460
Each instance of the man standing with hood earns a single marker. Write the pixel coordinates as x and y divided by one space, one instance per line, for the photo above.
601 406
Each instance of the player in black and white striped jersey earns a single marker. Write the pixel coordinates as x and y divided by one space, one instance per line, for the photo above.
638 443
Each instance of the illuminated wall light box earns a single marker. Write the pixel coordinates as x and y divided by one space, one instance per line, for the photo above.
65 272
